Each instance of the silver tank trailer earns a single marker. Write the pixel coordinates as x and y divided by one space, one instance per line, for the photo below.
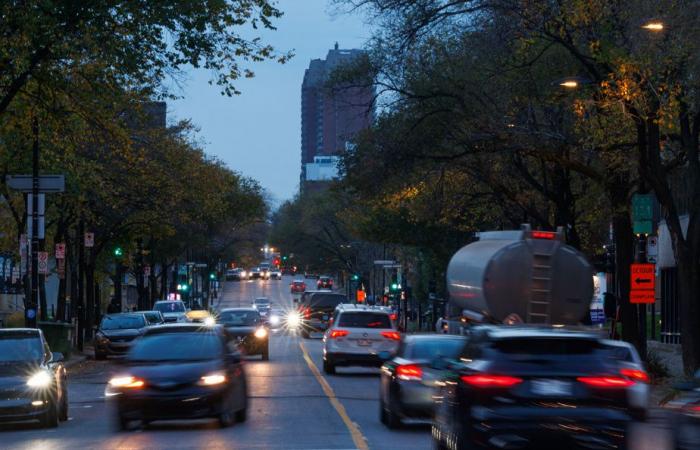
532 274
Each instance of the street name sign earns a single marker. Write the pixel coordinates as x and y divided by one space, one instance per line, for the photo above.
47 183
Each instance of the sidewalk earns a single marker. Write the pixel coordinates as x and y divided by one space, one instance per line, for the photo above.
78 357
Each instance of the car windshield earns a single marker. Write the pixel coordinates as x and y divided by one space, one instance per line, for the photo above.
364 320
170 307
177 347
239 318
153 317
262 302
433 348
20 348
123 322
327 300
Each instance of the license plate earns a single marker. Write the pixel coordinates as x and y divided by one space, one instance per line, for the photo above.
364 342
325 317
551 387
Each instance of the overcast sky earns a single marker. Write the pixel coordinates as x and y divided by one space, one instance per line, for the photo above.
258 132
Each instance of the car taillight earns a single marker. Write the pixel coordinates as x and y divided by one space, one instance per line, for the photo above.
393 316
409 372
307 313
491 381
393 335
609 382
635 374
544 235
338 333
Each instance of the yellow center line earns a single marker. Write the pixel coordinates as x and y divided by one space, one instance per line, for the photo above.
357 437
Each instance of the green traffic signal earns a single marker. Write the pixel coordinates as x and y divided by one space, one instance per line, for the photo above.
212 276
394 287
182 287
355 277
118 251
284 258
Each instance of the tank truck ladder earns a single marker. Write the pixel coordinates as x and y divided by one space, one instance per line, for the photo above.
538 309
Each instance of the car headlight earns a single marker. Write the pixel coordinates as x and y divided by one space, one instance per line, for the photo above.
209 321
101 338
41 379
260 333
274 319
244 274
293 319
212 379
126 381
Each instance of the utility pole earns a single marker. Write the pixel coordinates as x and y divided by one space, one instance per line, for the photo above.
30 311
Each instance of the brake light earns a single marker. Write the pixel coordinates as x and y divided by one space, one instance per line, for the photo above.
636 374
544 235
409 372
307 313
610 382
338 334
491 381
393 335
393 316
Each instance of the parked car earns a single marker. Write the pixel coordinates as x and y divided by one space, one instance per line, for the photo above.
33 382
172 310
297 286
180 371
358 336
532 387
684 415
248 328
116 333
324 282
408 381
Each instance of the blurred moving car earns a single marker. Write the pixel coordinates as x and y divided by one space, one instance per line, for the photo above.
116 333
316 310
297 286
263 306
180 371
408 381
631 365
248 328
255 273
172 310
359 336
684 415
153 317
310 275
324 282
275 274
33 381
237 274
200 316
533 387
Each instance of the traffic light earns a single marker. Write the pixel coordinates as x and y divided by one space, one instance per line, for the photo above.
355 277
184 287
118 252
212 276
284 258
395 286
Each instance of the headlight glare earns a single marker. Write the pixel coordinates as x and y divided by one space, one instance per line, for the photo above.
261 333
126 382
40 379
212 379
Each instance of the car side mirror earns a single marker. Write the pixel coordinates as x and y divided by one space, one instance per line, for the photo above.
57 357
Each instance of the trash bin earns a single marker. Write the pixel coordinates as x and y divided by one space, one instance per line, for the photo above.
59 335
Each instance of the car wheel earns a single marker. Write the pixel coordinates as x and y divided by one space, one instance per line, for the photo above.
328 367
266 354
122 422
100 356
227 416
50 418
63 416
393 420
242 415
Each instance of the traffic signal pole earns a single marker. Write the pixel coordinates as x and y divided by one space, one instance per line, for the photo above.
30 310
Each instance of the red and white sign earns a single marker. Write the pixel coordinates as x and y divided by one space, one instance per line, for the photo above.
643 277
43 262
89 239
642 297
60 251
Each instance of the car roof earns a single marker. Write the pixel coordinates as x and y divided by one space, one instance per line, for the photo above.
352 307
412 338
17 331
125 314
238 309
184 328
533 331
262 298
169 301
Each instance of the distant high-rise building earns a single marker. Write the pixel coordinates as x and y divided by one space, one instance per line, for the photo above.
331 117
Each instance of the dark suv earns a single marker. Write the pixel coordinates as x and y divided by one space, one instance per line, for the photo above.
533 387
317 309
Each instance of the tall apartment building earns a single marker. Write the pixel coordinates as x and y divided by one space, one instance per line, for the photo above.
331 117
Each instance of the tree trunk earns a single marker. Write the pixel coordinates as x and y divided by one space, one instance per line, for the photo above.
89 297
43 312
624 256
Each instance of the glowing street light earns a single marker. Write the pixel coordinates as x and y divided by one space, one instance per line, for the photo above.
569 84
654 26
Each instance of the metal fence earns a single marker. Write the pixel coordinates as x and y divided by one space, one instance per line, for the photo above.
670 307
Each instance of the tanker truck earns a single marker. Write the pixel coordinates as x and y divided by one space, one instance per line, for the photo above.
520 276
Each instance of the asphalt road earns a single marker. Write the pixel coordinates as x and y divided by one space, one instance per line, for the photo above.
292 405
